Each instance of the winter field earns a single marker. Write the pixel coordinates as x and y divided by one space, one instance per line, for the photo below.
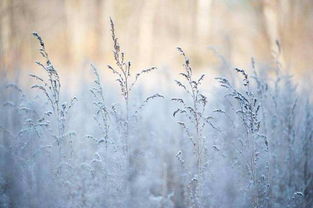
242 138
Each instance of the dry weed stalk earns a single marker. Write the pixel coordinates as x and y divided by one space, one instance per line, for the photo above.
195 121
249 110
125 80
123 73
51 89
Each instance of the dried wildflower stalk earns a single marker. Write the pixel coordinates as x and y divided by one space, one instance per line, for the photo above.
125 79
102 113
127 82
195 121
249 109
51 89
194 113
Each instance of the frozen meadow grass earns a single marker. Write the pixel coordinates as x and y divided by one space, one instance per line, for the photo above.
248 143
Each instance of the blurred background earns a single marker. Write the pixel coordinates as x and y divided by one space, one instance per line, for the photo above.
77 32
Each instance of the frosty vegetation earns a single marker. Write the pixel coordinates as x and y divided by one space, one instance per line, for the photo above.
251 146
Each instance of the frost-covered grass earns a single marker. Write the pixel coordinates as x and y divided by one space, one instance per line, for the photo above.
246 142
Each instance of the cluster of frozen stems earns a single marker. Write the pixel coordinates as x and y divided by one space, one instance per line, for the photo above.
256 152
